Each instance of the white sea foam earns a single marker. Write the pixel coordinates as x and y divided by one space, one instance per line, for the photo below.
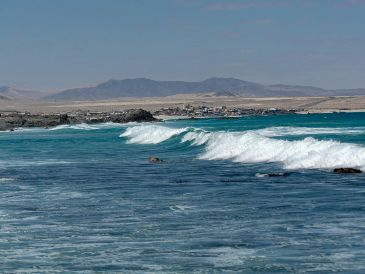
180 207
252 147
287 131
229 256
26 163
248 147
106 125
24 129
82 126
197 137
150 134
6 180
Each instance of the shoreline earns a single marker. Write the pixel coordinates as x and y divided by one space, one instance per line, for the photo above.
10 121
15 114
54 120
152 104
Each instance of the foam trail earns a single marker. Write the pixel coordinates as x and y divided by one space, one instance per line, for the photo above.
82 126
116 125
287 131
6 180
150 134
248 147
25 163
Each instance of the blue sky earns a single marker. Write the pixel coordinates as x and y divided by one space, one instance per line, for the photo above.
52 45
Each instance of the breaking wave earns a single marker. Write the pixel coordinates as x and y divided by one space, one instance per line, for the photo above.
308 153
253 147
150 134
81 126
78 126
293 131
84 126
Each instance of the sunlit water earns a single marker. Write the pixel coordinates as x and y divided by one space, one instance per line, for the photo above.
85 198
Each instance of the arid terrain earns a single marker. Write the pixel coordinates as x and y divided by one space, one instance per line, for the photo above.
308 104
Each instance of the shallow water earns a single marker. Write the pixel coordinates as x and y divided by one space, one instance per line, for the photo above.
83 199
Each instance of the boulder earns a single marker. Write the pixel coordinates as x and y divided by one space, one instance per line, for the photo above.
138 115
347 170
279 174
154 160
132 115
64 119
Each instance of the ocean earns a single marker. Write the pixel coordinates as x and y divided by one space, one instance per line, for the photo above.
85 199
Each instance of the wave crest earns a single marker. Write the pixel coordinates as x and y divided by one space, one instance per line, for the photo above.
150 134
294 131
84 126
252 147
308 153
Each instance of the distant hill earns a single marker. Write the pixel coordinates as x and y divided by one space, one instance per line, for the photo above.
3 98
12 93
142 87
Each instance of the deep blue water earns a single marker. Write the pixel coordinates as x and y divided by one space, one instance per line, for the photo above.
83 199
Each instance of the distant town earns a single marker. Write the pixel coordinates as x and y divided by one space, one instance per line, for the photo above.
223 111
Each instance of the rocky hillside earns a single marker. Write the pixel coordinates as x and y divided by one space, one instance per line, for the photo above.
142 87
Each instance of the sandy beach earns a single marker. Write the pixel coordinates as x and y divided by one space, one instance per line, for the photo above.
308 104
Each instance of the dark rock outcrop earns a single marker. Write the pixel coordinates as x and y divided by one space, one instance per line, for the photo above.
279 174
154 160
13 120
345 170
133 115
64 119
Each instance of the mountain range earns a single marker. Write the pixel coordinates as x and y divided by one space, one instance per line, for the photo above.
142 87
9 93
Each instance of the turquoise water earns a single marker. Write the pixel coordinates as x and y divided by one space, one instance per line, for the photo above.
85 199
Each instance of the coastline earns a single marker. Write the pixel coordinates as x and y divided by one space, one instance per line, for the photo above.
10 121
310 104
14 114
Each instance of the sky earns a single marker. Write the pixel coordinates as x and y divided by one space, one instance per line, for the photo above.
53 45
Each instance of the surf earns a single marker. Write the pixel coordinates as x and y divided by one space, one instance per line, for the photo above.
150 134
252 147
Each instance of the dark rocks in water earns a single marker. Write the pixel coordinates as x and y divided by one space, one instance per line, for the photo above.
41 122
133 115
138 115
154 160
279 174
228 118
283 174
64 119
346 170
16 119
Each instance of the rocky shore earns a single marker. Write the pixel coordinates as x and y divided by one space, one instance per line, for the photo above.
10 120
